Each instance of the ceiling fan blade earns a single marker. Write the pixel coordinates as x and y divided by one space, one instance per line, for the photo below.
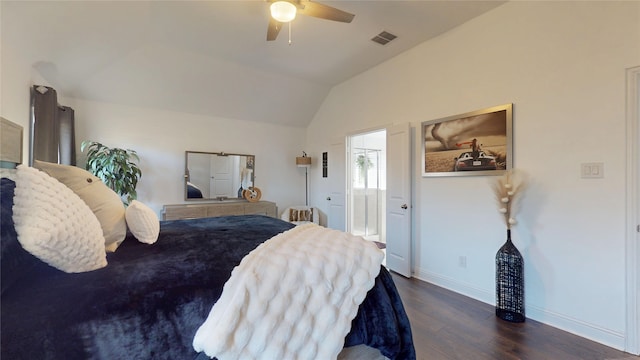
325 12
273 29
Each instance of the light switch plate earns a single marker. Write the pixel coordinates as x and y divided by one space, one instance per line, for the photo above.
592 170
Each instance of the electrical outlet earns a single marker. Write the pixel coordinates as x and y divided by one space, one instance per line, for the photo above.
462 261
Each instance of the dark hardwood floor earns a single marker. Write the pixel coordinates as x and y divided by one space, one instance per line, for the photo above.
447 325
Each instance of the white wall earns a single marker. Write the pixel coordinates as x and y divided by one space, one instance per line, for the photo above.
162 137
17 76
562 65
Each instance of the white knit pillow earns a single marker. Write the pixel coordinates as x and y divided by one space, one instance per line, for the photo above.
142 222
55 225
104 202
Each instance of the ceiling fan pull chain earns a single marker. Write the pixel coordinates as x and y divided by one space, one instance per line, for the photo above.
289 32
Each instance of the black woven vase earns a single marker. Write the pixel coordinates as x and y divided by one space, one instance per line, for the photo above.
509 282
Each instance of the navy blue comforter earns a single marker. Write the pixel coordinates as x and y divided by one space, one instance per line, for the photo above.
148 302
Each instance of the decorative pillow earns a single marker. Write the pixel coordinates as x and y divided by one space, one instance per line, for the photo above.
104 202
55 225
142 222
301 215
9 174
15 260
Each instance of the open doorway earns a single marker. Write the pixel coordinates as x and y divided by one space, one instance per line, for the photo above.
366 202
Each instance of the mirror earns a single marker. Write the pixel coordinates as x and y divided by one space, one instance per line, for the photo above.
217 176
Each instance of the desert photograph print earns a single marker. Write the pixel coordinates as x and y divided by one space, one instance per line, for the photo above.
474 143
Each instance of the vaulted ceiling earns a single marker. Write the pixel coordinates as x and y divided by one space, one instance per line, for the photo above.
212 57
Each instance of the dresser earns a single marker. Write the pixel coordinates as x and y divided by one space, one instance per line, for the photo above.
221 208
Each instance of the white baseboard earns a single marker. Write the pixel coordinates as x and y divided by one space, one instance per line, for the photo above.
578 327
457 286
575 326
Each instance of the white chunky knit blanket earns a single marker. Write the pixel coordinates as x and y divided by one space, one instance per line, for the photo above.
293 297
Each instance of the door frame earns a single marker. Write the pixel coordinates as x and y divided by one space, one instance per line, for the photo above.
410 175
348 174
632 333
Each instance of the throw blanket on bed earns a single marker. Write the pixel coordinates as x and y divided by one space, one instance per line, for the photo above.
293 297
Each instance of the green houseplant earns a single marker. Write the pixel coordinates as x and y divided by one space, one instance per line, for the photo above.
116 167
363 163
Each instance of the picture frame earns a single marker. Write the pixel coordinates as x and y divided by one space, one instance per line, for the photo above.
470 144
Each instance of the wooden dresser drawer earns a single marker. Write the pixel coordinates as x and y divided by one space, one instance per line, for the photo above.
184 212
261 208
223 208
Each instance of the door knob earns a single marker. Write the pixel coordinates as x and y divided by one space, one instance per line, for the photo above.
328 198
404 206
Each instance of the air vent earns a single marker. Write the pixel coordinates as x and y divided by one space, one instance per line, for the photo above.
383 38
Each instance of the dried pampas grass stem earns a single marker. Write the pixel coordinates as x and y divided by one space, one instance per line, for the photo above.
508 189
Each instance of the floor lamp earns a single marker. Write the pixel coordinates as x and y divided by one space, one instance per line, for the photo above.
305 162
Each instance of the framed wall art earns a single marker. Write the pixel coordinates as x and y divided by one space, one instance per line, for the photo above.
475 143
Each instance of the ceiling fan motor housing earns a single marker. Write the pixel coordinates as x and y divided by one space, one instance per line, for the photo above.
283 11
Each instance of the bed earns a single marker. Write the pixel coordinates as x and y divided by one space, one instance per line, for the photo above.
150 299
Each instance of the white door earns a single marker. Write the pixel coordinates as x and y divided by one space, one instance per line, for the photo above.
399 199
336 217
633 212
221 176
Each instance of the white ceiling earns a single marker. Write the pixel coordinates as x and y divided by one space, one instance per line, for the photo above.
212 57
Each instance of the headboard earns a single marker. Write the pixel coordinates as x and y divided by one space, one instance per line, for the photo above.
10 144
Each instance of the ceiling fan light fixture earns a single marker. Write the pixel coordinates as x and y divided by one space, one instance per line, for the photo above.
283 11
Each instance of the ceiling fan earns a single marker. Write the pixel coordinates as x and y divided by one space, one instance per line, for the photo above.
283 11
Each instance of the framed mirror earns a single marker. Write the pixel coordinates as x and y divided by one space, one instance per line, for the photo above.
217 176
